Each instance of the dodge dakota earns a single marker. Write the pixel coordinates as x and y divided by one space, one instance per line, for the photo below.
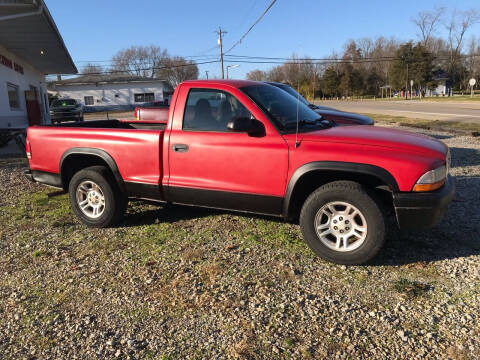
251 147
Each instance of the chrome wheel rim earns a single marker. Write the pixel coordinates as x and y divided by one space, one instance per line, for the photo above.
90 199
340 226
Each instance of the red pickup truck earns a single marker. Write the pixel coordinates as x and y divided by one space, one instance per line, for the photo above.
251 147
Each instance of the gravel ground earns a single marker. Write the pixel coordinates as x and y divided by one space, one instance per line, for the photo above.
185 283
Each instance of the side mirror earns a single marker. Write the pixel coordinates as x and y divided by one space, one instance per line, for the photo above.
246 124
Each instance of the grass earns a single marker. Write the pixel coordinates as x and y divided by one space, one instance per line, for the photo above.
410 289
427 124
455 98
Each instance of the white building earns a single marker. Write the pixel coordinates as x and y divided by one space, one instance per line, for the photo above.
443 87
99 92
30 48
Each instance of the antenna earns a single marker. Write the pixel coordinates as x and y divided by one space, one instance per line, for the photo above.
296 132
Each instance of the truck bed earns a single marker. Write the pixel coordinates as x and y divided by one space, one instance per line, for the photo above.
113 124
136 148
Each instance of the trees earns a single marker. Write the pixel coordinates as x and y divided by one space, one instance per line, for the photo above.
412 63
139 60
91 68
351 78
427 23
176 70
331 82
154 62
301 74
276 74
256 75
460 22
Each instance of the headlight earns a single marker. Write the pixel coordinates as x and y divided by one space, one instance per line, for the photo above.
431 180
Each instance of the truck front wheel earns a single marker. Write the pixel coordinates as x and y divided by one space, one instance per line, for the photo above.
95 197
343 222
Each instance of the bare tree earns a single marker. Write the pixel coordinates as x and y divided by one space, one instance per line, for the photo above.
427 23
460 22
177 69
473 64
91 68
256 75
139 60
276 74
154 62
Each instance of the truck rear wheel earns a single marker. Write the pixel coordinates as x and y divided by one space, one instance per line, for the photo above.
343 222
95 197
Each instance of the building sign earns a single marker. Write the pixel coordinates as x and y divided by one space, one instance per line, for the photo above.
18 68
6 61
10 64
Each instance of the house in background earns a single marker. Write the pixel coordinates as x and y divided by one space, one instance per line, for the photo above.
111 92
444 84
30 48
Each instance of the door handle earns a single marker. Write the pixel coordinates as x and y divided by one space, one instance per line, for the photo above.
180 147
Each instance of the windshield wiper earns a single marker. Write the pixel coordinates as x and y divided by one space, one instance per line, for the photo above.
319 121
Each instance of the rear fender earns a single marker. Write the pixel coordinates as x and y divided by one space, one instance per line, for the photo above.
94 153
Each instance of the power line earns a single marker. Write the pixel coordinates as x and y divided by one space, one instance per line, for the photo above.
309 60
306 62
246 15
380 58
149 68
252 26
305 58
197 57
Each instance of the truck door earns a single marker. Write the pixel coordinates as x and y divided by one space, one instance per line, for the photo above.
210 165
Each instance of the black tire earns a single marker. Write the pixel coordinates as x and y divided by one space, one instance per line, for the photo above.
115 200
365 201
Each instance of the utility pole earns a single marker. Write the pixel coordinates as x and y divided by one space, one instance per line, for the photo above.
206 73
406 84
220 33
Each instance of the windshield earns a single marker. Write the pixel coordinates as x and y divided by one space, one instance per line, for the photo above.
64 102
281 106
292 92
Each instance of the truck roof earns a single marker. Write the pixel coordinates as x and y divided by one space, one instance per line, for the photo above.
234 83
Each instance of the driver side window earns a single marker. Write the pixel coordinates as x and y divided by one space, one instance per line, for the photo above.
211 110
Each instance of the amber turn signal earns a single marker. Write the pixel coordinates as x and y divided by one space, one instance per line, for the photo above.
429 187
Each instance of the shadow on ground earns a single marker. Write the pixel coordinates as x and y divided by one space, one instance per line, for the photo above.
464 157
173 213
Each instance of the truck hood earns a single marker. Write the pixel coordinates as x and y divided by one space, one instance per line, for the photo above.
376 136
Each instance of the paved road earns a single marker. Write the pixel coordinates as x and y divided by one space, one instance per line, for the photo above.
465 112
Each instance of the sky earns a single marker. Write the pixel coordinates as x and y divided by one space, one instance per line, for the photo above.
95 30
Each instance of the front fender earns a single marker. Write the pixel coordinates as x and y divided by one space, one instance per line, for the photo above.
328 166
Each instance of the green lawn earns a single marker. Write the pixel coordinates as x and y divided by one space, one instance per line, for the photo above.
473 128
